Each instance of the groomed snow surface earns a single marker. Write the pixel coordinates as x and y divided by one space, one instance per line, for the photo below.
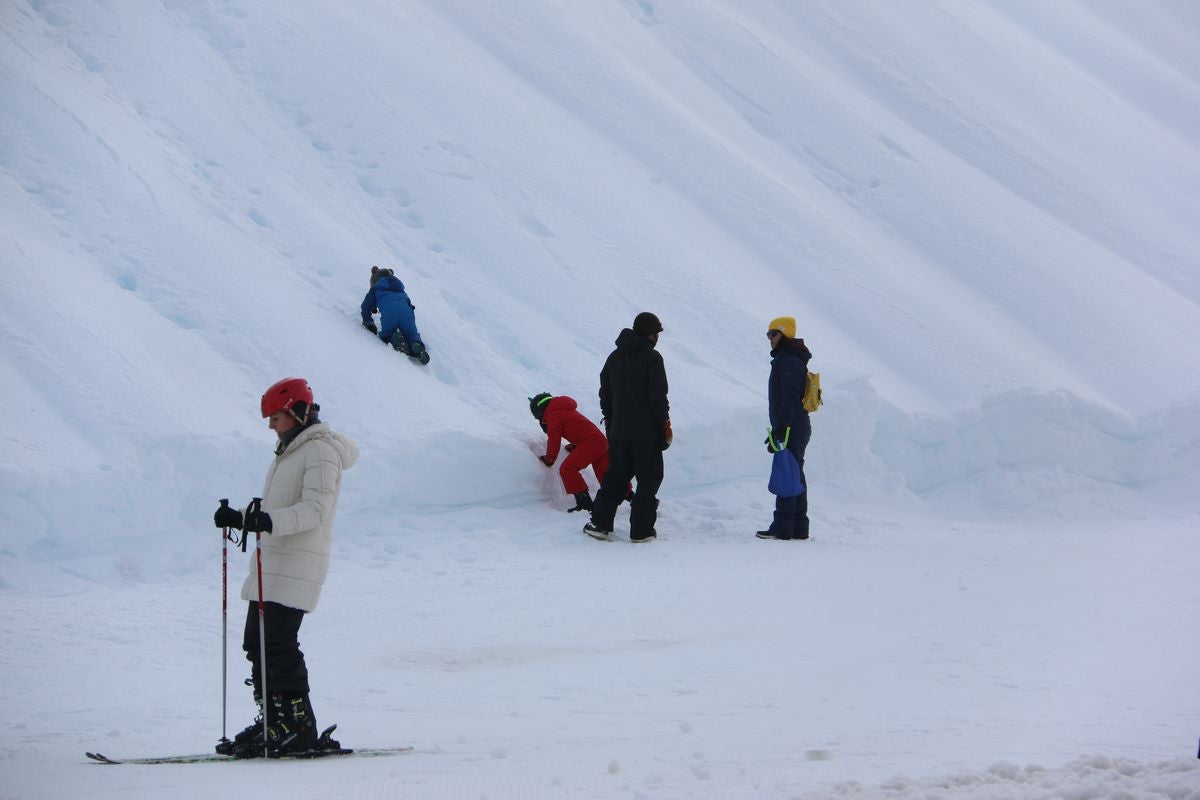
982 215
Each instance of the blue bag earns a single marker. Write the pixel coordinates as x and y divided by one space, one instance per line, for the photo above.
785 475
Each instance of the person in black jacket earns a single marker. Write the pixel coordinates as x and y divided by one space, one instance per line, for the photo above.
633 400
790 425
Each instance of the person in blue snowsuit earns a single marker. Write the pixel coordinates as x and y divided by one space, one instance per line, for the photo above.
397 316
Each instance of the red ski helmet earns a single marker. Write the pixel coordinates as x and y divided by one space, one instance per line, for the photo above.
285 394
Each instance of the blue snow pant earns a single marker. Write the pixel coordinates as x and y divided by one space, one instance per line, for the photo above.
396 312
791 513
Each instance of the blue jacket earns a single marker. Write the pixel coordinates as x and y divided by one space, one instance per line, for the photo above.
387 292
789 378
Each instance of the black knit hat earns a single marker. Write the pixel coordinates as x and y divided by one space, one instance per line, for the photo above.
646 325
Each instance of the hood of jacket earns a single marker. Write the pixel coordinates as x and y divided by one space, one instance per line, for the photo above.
344 446
629 342
561 403
792 347
389 283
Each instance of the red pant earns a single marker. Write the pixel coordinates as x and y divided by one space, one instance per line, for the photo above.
592 451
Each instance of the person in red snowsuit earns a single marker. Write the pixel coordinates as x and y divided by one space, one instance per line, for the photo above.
560 419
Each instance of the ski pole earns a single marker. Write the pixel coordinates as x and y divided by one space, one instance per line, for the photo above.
224 627
255 505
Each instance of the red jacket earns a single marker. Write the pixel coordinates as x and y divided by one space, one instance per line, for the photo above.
562 421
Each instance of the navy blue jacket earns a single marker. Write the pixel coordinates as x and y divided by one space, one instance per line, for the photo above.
789 379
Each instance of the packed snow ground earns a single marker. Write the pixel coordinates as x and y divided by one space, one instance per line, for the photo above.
522 659
981 213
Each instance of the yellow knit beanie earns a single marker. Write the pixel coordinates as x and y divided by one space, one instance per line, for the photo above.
785 325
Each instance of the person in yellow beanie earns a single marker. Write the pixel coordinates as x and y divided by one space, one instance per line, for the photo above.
785 325
790 425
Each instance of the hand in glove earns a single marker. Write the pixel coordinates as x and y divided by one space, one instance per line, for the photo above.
546 460
369 324
777 438
258 522
668 435
227 517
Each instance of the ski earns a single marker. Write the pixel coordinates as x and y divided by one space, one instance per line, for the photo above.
196 759
327 748
208 758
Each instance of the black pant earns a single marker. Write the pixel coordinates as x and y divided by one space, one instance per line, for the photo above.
629 460
791 513
286 670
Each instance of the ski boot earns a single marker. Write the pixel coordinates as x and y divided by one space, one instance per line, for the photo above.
292 731
227 747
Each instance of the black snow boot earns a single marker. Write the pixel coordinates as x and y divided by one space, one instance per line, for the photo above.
399 343
596 532
417 350
583 502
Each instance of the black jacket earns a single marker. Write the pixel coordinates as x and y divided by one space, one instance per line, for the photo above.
633 390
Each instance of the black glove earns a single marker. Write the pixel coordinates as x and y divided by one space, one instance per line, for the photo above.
258 522
227 517
777 438
369 324
570 446
546 460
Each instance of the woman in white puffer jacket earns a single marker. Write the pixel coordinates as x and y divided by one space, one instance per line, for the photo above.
299 502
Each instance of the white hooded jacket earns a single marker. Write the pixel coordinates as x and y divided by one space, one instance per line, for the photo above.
301 495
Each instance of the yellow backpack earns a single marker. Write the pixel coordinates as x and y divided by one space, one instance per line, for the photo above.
812 393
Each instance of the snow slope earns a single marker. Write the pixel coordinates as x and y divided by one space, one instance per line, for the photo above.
981 213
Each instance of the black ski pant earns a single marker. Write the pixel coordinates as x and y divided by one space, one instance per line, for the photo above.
791 513
286 670
630 460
